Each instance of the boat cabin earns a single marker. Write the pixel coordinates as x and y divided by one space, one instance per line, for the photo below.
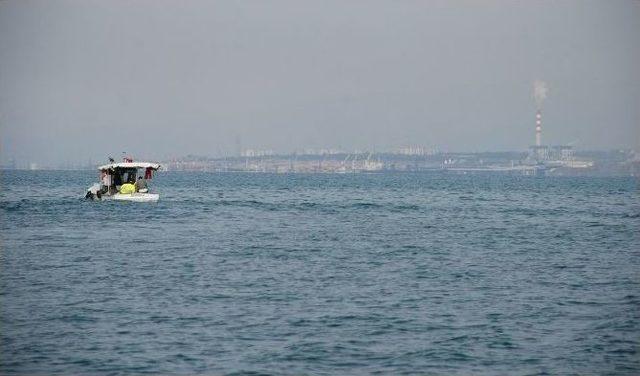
114 175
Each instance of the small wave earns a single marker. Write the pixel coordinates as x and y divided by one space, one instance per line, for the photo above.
364 205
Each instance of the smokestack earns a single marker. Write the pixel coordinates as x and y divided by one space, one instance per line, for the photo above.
538 128
539 95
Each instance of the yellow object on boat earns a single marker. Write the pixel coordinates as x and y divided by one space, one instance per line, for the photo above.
127 188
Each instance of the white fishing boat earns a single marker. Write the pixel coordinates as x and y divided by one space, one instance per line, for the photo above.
125 181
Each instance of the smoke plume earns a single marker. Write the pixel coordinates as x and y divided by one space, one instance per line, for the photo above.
539 92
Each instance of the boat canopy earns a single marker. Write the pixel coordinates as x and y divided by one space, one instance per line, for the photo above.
111 166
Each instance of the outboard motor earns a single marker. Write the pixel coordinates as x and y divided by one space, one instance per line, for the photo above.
93 192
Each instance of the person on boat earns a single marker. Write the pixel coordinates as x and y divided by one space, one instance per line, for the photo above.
127 188
141 185
107 181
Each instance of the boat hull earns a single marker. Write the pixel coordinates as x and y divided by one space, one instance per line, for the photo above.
136 197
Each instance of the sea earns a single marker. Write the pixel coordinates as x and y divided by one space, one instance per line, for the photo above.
321 274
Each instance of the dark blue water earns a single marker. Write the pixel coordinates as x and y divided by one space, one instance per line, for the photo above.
321 274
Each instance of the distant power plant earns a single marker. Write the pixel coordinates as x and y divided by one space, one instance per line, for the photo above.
550 156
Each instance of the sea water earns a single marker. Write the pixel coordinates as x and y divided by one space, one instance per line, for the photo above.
321 274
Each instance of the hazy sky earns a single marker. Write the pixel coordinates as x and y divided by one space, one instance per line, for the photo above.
87 79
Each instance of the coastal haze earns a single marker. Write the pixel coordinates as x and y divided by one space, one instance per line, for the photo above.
342 188
80 81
